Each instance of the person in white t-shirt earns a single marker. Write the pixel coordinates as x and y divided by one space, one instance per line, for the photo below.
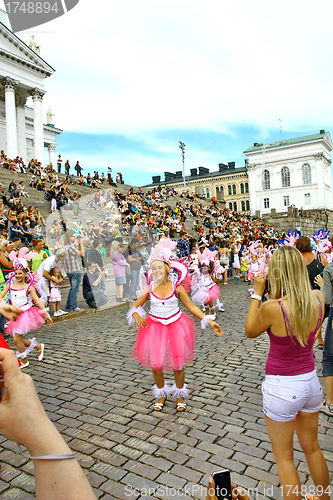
45 268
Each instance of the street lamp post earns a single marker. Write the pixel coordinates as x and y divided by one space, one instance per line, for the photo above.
182 147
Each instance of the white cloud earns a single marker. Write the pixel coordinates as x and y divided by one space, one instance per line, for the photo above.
130 66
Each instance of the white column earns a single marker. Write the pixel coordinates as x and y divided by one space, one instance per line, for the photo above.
320 180
51 148
328 181
37 97
20 120
11 131
252 188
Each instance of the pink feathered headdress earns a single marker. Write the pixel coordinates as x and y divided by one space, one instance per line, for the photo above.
163 251
254 247
23 253
20 263
324 245
206 256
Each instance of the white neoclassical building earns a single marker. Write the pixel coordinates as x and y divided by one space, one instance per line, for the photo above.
22 74
291 172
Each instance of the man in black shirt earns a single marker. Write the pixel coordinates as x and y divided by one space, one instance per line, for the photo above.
94 296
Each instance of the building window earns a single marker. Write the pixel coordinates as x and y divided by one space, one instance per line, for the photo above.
229 190
217 190
247 205
243 206
266 181
246 187
208 192
266 202
285 177
234 189
230 206
235 206
286 201
222 190
242 188
306 174
307 198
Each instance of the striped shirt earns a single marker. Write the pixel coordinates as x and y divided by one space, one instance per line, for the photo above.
72 263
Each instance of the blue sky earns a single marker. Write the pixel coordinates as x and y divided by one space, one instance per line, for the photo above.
116 148
133 78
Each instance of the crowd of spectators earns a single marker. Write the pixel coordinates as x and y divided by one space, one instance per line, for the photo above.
130 225
56 189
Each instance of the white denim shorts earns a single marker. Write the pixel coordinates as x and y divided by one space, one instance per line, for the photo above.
285 396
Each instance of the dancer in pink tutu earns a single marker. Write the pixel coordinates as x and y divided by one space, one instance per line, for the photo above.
166 338
207 290
253 271
55 295
21 293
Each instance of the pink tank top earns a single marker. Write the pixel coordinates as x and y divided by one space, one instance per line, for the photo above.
286 355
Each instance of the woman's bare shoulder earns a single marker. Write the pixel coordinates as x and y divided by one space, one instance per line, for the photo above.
270 306
320 295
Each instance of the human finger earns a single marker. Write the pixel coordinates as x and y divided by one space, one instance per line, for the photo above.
238 493
218 331
261 277
2 387
10 312
211 490
9 366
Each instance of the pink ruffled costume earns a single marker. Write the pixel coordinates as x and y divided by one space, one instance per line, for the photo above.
168 341
55 295
208 291
30 319
254 270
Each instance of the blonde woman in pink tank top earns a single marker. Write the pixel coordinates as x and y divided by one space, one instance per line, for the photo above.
292 394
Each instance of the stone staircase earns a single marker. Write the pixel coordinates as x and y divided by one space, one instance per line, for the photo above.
84 213
37 197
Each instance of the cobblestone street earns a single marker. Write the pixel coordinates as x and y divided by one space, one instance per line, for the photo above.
101 402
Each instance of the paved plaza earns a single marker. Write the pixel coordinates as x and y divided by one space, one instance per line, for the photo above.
101 401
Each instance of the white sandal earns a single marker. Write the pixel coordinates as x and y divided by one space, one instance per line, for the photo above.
181 407
158 406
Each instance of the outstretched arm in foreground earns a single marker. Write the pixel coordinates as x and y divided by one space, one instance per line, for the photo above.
29 425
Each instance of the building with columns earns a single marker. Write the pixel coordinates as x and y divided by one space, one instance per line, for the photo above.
229 184
292 172
22 74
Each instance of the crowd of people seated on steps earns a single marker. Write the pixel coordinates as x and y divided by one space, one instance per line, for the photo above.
41 176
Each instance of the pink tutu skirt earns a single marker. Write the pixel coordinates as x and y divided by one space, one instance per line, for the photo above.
213 293
165 347
32 319
204 296
55 294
